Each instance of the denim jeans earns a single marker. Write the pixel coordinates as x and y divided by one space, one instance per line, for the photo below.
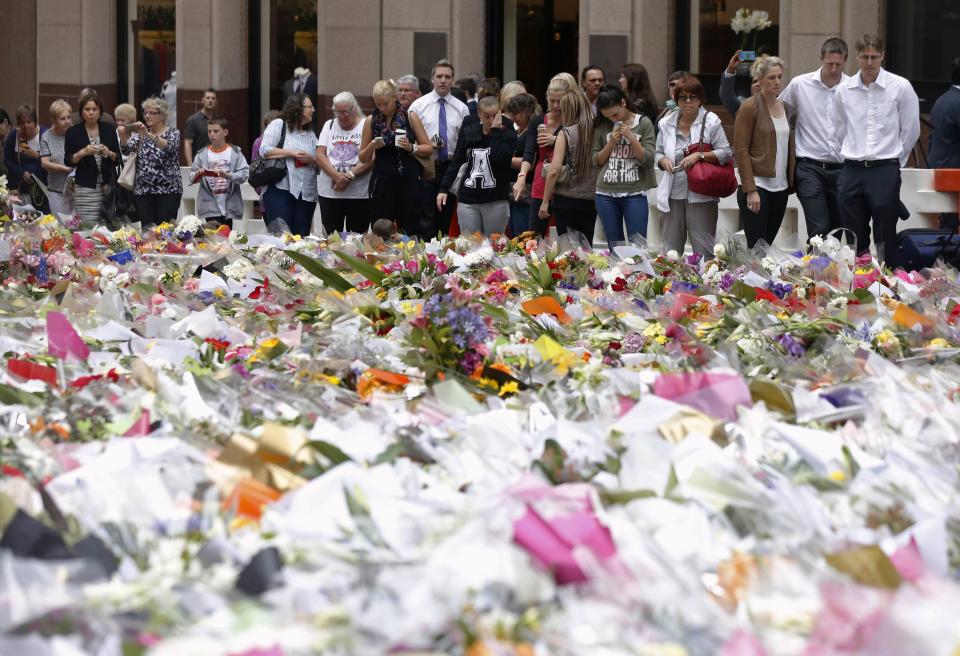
614 211
519 217
296 212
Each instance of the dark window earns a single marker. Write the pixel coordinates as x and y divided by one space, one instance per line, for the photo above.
921 43
428 49
609 52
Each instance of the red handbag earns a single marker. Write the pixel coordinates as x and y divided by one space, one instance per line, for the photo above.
707 178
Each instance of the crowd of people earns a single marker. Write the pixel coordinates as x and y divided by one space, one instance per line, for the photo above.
509 164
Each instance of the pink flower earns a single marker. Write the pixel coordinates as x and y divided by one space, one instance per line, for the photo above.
496 276
191 286
413 266
442 267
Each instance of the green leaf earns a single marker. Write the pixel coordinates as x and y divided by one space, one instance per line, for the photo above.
10 395
329 451
623 497
360 511
498 314
330 278
364 268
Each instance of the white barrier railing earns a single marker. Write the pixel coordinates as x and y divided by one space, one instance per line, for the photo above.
916 192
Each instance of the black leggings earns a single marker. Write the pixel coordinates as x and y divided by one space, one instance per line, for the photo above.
575 214
396 197
765 224
156 208
333 211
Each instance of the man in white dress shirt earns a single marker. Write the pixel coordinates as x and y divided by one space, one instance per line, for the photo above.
878 123
811 99
441 115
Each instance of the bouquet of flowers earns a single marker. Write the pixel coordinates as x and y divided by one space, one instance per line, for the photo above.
747 23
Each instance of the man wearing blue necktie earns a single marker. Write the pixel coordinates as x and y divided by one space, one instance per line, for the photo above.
441 115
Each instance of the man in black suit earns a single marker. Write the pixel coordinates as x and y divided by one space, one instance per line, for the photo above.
305 82
945 138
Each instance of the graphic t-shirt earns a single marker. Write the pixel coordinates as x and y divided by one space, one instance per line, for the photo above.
622 174
219 161
343 151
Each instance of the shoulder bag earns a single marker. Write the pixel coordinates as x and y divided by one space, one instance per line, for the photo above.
706 178
565 168
265 172
128 174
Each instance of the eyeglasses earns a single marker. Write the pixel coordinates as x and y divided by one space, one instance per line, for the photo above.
869 58
687 99
148 112
343 112
308 106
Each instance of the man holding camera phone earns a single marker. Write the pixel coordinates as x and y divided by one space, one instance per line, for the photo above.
728 94
811 98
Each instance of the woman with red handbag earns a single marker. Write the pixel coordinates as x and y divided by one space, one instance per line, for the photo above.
679 149
763 143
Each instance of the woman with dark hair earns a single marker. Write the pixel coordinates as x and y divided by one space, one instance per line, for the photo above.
486 147
573 200
291 138
524 110
21 155
683 211
635 84
157 185
672 83
396 137
93 148
623 150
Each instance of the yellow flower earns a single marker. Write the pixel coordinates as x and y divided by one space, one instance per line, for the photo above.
837 476
218 292
510 387
938 343
487 382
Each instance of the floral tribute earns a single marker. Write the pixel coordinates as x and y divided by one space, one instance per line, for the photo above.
257 444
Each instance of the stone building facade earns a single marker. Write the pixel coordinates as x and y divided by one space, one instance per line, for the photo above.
247 49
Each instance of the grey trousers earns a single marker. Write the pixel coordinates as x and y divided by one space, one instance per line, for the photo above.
699 219
487 218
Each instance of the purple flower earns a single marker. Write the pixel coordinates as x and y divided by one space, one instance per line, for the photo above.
681 286
794 347
819 263
726 281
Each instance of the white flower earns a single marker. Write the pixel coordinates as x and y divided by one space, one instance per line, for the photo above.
238 269
189 223
769 265
801 292
719 250
837 303
673 256
816 242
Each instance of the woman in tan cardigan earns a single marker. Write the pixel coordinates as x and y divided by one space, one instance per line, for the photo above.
763 147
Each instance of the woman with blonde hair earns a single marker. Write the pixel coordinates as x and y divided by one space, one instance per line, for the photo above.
511 89
157 185
396 137
573 199
541 135
764 148
52 144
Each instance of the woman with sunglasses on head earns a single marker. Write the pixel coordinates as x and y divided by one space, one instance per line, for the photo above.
764 147
683 211
540 137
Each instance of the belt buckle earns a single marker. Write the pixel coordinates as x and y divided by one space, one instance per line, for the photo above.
866 163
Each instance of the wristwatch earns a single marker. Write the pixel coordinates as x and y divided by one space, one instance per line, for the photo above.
701 156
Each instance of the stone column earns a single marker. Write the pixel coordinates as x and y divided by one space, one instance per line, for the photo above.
77 48
212 52
806 24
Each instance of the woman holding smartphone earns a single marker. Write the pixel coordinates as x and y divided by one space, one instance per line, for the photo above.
396 137
92 147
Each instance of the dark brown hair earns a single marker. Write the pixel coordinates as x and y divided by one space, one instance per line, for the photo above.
690 86
292 112
89 96
219 120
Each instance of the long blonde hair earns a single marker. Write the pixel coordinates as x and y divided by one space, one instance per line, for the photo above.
575 110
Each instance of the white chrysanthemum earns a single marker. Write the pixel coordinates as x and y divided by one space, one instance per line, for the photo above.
816 242
238 269
719 250
189 223
673 256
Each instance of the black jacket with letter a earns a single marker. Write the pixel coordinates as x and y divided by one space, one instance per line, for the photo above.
486 178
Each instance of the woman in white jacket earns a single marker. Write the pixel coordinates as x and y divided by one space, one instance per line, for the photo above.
681 210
